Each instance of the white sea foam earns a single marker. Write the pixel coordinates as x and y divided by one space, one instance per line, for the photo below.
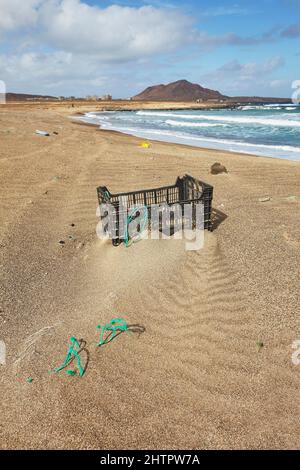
193 124
232 119
146 129
256 107
157 133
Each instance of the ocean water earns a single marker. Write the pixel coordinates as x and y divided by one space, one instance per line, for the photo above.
268 130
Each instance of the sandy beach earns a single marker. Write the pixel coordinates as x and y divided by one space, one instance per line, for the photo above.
212 368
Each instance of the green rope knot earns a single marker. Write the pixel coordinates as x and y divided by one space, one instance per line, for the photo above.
116 324
72 352
143 224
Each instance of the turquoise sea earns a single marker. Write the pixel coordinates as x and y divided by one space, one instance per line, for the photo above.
268 130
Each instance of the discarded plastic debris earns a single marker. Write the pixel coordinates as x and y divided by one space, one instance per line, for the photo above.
43 133
145 145
264 199
259 345
186 189
114 325
29 380
72 353
143 225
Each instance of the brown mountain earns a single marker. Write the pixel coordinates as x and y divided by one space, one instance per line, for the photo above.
27 97
182 90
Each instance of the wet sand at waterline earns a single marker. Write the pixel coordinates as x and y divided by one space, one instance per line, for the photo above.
213 367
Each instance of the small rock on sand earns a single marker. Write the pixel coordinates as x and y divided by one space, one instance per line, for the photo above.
217 168
80 246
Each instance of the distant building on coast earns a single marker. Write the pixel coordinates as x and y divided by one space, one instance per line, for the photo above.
99 98
105 98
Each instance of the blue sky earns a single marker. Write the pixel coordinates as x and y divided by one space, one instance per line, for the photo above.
81 47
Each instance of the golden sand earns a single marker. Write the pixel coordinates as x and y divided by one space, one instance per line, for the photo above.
198 377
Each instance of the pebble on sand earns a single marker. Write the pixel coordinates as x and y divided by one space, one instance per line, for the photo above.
80 245
217 168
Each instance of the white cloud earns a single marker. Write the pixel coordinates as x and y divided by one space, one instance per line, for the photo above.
63 73
113 33
15 13
76 46
251 69
237 78
47 71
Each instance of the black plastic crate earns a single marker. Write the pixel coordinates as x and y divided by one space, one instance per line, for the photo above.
186 190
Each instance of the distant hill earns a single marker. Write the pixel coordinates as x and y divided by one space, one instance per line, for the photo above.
27 97
258 99
182 90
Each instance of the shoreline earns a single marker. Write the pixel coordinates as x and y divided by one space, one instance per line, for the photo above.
182 145
180 141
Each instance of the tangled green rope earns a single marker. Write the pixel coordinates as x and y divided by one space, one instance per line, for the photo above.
131 217
116 324
72 352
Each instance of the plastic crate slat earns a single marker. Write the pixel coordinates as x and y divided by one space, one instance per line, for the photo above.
186 190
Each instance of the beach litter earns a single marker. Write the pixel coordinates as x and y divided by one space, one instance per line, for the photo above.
186 189
143 224
29 380
145 145
43 133
72 353
217 168
114 325
259 345
264 199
